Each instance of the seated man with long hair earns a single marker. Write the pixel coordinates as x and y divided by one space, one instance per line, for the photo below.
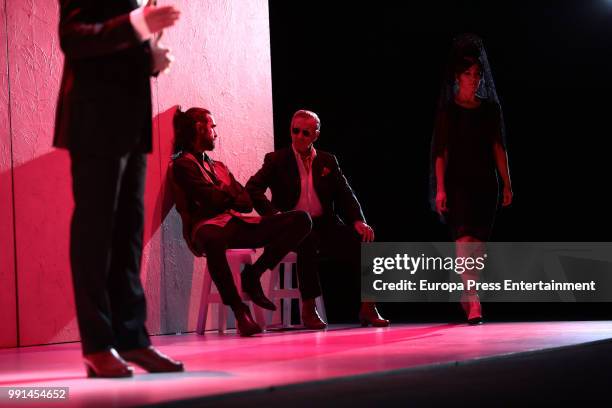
212 205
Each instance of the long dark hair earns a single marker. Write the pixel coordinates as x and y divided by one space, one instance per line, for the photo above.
184 124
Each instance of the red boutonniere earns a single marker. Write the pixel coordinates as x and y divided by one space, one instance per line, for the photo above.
325 171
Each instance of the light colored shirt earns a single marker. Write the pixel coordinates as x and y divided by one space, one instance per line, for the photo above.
309 200
138 21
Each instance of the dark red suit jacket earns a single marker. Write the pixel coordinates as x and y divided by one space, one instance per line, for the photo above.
104 105
280 174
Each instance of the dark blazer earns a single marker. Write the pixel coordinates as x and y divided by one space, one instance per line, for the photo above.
280 174
104 104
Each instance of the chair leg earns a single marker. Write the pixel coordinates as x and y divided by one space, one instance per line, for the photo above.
203 313
274 284
222 313
287 284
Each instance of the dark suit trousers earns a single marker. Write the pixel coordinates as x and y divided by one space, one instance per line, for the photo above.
105 250
336 242
278 234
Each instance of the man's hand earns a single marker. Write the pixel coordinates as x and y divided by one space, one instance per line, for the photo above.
242 203
365 231
159 18
161 56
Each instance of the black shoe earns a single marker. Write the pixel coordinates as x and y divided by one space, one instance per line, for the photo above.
252 287
244 321
475 321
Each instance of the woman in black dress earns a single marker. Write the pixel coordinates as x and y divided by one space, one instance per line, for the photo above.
469 155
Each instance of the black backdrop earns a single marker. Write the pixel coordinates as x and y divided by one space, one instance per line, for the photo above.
372 70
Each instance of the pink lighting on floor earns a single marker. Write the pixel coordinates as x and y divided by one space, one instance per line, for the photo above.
218 364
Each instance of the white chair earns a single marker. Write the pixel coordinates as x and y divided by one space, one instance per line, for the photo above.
282 316
235 258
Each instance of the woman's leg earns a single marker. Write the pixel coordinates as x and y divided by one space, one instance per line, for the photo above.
468 246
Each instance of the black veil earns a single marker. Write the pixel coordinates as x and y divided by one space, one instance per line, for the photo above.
464 46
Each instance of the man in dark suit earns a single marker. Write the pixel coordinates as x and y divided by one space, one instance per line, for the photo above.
213 207
104 120
303 178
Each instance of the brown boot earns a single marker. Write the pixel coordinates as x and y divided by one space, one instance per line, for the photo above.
310 316
152 360
369 315
106 364
244 321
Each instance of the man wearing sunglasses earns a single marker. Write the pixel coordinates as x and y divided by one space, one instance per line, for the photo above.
303 178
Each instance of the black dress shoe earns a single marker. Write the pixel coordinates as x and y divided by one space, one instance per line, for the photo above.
244 321
369 315
152 360
251 285
106 364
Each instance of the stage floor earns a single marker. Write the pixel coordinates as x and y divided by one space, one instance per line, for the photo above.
218 364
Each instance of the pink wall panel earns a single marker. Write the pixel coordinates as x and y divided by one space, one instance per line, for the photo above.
222 51
42 184
8 309
223 63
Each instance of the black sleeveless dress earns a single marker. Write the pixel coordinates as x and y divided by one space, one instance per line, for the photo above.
468 136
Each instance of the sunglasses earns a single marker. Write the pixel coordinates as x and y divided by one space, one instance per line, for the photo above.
305 132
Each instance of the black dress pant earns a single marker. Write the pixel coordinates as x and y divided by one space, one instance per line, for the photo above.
341 244
278 234
106 239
